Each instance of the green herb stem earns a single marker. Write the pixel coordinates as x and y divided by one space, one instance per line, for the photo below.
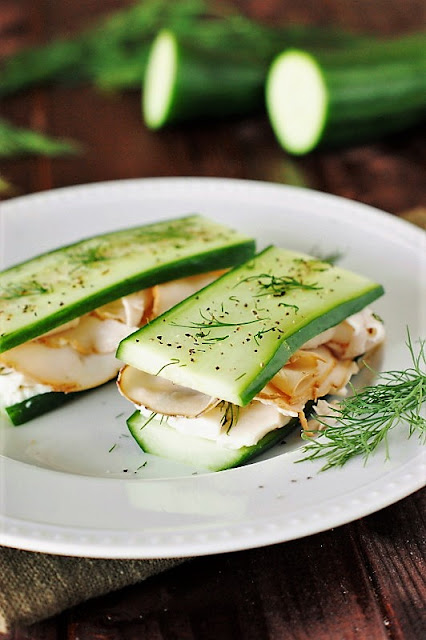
364 420
230 415
278 285
17 141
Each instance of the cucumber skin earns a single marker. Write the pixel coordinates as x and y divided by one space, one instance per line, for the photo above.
198 94
212 258
31 408
373 91
371 101
311 330
217 81
155 439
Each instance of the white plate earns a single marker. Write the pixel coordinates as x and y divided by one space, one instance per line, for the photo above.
63 490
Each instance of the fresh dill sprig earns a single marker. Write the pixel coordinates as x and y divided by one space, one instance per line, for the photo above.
230 416
172 361
279 285
259 335
290 306
204 337
30 288
211 322
147 236
148 420
364 420
90 255
213 339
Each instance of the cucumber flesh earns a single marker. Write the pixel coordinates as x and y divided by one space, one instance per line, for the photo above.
161 440
159 79
53 288
231 338
297 98
354 96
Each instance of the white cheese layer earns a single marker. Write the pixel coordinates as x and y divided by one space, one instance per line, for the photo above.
249 426
15 387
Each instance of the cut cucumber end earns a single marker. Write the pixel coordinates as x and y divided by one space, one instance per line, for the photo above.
297 101
159 80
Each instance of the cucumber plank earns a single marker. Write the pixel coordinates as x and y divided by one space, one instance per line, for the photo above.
161 440
231 338
55 287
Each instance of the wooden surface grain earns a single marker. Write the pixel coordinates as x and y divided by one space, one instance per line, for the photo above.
365 580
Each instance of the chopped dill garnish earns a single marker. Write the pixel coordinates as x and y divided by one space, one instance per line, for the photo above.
112 448
290 306
259 335
204 337
147 235
172 361
90 255
148 420
213 339
230 416
364 420
201 334
211 322
312 264
278 285
30 288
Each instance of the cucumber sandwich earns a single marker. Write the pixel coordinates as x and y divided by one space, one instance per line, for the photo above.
226 372
63 313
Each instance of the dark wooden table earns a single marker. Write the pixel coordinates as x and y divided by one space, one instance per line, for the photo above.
364 580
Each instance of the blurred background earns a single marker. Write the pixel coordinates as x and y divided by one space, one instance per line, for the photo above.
86 88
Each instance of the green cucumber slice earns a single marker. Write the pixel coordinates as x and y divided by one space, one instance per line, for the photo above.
161 440
53 288
218 68
347 96
231 338
183 81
